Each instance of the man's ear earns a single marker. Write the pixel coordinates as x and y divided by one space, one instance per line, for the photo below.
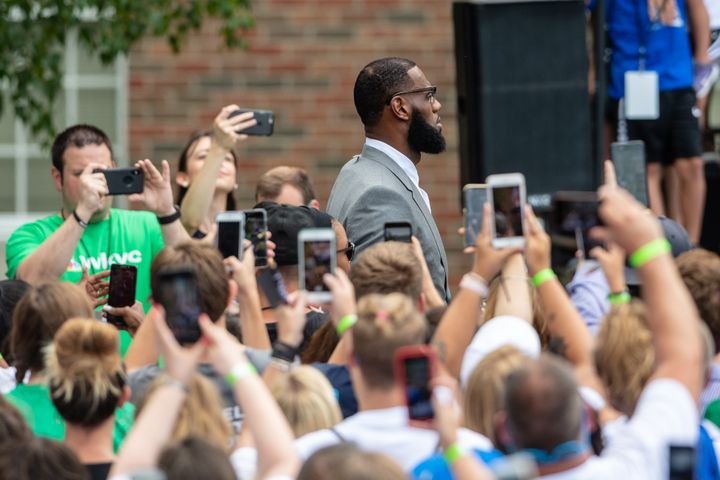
57 178
502 432
400 108
422 303
124 396
182 179
314 204
232 292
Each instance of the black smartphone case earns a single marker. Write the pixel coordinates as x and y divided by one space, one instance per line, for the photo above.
124 181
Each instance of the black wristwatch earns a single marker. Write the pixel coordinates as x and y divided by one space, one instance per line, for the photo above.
169 218
283 351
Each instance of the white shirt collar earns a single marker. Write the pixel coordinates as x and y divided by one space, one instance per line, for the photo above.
403 162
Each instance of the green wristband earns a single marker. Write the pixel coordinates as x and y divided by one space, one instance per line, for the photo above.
453 453
650 251
346 323
543 276
238 371
619 298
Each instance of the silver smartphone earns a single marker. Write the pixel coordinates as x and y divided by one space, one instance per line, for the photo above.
506 194
474 198
316 257
630 169
230 234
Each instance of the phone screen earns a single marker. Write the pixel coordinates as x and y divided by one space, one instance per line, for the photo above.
398 232
318 261
475 199
273 287
574 219
417 388
229 238
122 285
256 232
629 160
508 211
682 463
180 298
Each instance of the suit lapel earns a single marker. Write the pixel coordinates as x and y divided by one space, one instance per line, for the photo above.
380 157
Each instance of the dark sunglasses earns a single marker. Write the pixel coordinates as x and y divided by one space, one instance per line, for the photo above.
349 251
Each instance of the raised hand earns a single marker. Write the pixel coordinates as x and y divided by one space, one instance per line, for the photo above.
489 260
537 249
96 286
157 194
225 129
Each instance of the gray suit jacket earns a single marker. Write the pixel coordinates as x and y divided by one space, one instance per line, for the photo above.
371 190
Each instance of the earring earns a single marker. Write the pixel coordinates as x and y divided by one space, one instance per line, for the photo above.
237 186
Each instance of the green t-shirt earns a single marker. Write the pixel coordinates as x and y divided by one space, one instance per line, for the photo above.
127 237
35 404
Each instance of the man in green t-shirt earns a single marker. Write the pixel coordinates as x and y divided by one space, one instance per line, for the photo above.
87 232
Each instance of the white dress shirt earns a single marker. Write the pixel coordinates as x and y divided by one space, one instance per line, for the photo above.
403 162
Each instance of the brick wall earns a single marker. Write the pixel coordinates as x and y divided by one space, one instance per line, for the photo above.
302 63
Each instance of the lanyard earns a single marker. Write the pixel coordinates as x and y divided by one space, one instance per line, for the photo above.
644 31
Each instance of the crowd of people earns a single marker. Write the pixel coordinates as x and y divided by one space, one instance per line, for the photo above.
530 378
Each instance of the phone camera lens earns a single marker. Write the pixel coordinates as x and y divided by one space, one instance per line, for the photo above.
128 180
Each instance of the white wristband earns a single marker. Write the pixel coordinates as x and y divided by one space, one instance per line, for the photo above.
475 283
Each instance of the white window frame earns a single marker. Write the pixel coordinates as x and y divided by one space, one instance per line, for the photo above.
73 83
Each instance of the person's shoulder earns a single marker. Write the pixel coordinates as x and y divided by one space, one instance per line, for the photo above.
42 225
314 441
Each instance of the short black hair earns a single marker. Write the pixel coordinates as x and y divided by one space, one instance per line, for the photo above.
376 82
11 291
77 136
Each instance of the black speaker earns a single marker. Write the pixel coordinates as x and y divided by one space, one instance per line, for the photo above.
710 238
523 102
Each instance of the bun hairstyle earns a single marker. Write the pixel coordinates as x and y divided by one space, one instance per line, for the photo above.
38 315
385 323
85 373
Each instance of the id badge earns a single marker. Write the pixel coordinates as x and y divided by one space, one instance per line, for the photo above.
642 97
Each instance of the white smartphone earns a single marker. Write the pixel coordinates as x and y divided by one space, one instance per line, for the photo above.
230 234
316 257
474 198
506 194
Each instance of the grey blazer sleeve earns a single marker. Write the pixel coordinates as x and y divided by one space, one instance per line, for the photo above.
370 212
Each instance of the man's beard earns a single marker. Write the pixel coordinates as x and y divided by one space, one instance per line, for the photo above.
424 137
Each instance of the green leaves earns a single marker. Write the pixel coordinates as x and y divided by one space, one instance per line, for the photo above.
33 35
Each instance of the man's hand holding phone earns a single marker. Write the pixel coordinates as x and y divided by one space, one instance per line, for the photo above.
291 319
132 317
157 195
93 191
243 272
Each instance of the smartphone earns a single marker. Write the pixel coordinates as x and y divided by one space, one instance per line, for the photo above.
506 194
681 463
573 215
414 369
180 297
474 198
316 256
265 122
273 287
121 293
630 169
123 181
398 232
256 231
230 234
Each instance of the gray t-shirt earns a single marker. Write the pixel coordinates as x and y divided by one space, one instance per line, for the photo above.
141 378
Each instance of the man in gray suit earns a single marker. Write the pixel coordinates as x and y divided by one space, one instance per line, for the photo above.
398 108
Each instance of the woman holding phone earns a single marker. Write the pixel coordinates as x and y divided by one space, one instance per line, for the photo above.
207 171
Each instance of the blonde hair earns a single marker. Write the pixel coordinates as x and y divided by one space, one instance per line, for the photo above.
624 355
385 323
307 399
201 414
85 373
497 285
484 389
